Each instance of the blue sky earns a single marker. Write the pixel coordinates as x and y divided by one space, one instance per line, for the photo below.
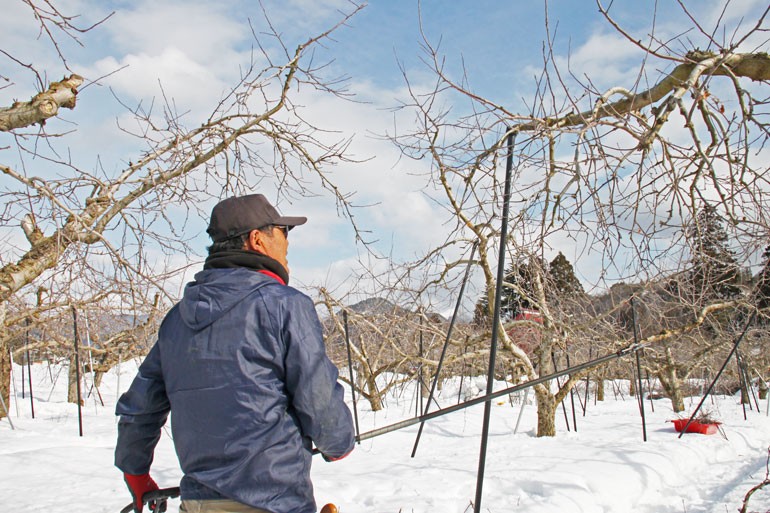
194 49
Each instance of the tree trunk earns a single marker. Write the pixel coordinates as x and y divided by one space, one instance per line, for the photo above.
670 383
762 389
72 388
600 389
745 393
675 393
375 401
98 375
546 413
5 379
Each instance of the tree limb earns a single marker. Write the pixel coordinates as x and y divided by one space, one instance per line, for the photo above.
42 106
755 66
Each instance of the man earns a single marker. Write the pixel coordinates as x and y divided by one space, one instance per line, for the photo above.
240 363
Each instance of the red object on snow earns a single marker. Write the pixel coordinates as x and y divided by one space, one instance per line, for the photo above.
696 427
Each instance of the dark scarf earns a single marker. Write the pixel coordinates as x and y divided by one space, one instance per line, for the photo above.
249 259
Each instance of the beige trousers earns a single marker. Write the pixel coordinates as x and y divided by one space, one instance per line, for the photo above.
217 506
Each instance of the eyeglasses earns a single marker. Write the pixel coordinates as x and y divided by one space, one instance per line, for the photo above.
285 229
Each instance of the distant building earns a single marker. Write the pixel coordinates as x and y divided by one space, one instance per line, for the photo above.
524 334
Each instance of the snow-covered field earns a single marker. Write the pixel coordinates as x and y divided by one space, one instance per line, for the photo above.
45 466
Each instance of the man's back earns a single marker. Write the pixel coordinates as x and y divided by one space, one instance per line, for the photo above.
241 363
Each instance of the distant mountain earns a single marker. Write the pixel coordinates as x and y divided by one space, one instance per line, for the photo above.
377 306
380 306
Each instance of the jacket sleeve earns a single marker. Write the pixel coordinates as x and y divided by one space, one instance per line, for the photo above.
311 379
143 410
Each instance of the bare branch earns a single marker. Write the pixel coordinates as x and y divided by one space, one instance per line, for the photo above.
42 106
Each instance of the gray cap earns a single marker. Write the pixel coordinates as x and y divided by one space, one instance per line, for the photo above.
235 216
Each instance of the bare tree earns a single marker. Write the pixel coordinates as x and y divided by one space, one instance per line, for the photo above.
384 345
118 222
616 176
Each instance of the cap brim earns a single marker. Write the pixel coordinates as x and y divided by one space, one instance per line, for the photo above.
290 221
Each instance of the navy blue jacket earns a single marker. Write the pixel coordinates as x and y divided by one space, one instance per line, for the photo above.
240 363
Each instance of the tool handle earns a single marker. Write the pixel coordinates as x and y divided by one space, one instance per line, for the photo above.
156 495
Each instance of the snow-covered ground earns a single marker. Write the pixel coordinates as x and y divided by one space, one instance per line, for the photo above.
45 466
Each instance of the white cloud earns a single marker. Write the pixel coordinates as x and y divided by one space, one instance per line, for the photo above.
607 59
204 31
170 71
306 16
732 11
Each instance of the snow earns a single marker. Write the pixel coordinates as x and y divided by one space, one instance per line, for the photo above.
45 466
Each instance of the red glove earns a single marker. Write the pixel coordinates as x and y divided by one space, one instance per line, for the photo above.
330 459
138 486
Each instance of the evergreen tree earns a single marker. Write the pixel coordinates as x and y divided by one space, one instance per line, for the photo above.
563 280
558 277
522 276
714 273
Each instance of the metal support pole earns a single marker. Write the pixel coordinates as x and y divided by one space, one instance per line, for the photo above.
742 385
558 386
13 384
444 349
495 325
29 372
350 371
716 378
462 380
649 389
91 364
77 368
521 411
23 380
500 393
588 381
572 398
117 385
639 389
420 369
744 369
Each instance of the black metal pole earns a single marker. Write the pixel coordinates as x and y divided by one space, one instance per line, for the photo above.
350 371
639 389
495 322
742 385
572 398
744 368
446 345
558 385
500 393
29 372
462 377
721 370
98 393
649 389
23 380
77 368
751 387
418 403
588 381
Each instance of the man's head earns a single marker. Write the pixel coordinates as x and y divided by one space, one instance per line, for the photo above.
252 223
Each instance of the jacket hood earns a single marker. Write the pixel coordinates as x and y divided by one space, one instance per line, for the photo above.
215 291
